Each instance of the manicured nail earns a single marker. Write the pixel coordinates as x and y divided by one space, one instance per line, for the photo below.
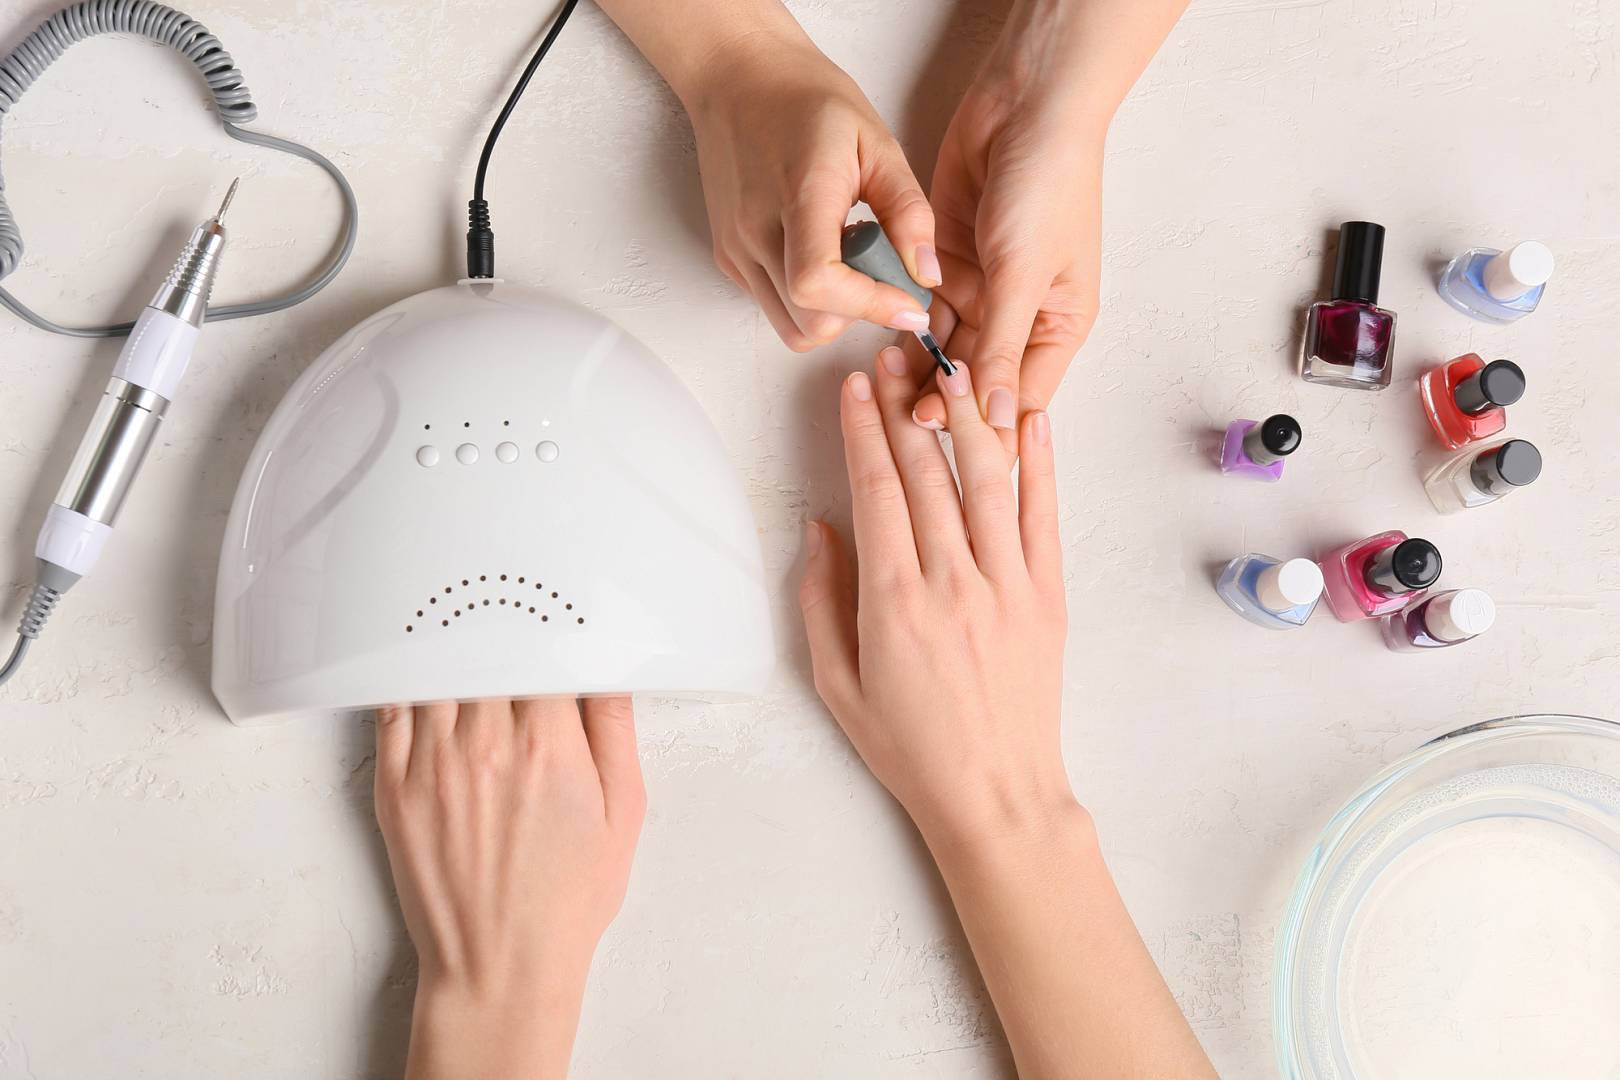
894 361
931 424
812 539
909 320
1040 426
1003 411
958 383
860 386
928 272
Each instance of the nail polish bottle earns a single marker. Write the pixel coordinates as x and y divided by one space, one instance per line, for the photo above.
1479 476
1498 286
1349 339
1270 592
1466 400
1379 575
1440 621
1257 450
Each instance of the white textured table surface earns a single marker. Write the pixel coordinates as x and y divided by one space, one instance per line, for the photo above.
180 897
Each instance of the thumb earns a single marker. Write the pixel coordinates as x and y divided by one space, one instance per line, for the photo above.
1012 300
827 598
890 188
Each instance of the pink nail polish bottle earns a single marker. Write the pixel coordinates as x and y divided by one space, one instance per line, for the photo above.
1379 575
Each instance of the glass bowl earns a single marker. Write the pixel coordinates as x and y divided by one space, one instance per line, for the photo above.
1460 916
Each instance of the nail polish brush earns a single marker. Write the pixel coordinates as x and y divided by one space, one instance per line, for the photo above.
866 248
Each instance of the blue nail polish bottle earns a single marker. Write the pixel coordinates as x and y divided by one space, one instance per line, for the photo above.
1498 286
1276 594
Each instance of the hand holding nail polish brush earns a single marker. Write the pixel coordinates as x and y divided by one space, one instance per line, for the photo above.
867 249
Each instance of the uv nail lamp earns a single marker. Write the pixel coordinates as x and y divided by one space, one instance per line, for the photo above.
486 491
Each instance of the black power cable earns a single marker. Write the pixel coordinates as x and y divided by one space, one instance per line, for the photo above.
480 237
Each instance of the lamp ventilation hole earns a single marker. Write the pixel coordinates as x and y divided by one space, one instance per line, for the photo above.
480 591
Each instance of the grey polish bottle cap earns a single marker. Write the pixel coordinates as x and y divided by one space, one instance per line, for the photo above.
1514 464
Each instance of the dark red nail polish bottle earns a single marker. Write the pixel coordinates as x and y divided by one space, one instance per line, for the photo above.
1349 339
1466 400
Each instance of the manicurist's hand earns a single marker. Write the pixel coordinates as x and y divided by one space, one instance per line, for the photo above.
510 828
787 144
1017 191
941 656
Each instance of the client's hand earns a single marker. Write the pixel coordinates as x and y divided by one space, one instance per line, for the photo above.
944 661
510 828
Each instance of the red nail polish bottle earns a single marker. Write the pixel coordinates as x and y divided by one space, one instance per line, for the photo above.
1466 400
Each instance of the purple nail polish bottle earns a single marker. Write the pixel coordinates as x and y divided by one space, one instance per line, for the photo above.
1258 450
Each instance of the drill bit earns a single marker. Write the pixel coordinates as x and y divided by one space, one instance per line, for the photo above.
230 193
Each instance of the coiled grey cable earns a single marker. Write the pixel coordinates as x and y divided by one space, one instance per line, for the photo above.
232 100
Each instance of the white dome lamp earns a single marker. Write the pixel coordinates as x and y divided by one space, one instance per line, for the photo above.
486 491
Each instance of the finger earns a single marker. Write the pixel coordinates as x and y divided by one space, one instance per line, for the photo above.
931 495
549 729
883 535
987 493
1012 299
890 188
818 280
827 600
435 724
395 726
765 295
818 327
1037 501
610 730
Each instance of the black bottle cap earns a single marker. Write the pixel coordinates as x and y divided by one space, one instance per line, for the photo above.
1360 262
1272 439
1408 566
1496 385
1514 464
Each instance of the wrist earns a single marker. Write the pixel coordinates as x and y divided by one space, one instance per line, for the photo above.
733 59
1045 59
1014 844
522 1025
1024 810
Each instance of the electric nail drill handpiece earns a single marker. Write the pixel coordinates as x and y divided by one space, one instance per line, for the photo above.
143 382
867 248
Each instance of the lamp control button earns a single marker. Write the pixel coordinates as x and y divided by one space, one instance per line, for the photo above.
467 454
427 456
547 451
507 452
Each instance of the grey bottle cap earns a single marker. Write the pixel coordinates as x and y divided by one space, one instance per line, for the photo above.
1272 439
1496 385
867 249
1499 469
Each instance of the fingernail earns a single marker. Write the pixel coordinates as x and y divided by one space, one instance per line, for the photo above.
860 386
1003 411
958 384
928 272
1040 426
931 424
812 539
894 361
909 320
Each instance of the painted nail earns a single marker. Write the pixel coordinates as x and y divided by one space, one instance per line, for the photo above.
909 320
812 539
931 424
1040 426
928 272
958 384
860 386
894 361
1002 410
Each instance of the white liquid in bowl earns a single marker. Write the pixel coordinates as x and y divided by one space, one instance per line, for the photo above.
1489 945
